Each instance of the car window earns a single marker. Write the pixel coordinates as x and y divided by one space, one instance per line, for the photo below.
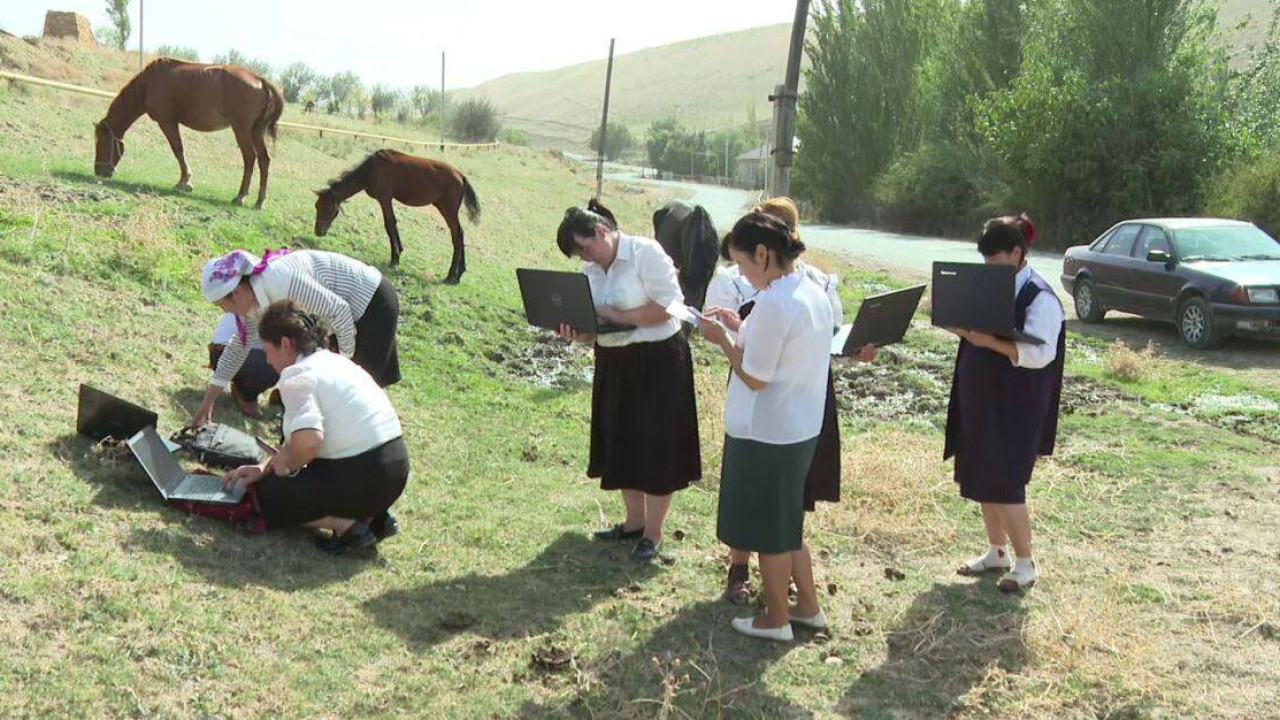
1121 241
1152 238
1225 244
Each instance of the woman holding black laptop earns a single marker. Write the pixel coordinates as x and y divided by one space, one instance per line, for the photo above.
644 417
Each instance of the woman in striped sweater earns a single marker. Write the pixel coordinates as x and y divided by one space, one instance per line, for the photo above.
352 299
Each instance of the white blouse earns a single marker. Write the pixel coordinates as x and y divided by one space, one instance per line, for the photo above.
730 290
333 287
1044 320
640 273
786 343
327 392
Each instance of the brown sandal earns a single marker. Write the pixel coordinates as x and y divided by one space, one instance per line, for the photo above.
737 589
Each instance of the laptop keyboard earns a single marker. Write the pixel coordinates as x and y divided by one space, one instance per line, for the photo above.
203 487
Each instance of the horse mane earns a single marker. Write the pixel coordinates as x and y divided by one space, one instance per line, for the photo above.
356 175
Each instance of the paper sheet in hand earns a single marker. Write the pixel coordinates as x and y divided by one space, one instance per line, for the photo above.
684 313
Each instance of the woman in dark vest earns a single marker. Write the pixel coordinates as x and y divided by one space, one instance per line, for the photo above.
1004 407
644 416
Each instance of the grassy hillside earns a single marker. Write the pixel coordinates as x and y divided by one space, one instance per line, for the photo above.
1155 519
706 83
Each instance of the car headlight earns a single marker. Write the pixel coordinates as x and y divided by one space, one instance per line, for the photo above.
1263 296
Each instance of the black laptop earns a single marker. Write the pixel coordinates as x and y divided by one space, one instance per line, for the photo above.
554 297
882 320
977 296
100 414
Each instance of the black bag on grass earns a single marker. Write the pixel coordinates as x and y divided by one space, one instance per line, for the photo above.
219 445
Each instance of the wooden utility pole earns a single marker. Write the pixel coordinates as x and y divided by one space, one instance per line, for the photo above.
784 100
441 101
604 124
139 35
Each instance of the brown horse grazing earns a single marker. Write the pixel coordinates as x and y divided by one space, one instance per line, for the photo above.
205 98
388 175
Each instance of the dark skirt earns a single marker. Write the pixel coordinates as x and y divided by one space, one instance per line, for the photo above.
254 377
823 482
761 506
644 418
376 336
994 442
359 487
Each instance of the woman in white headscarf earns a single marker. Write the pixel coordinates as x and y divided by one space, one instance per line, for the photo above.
353 300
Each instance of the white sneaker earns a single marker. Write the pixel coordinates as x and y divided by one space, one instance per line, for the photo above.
817 622
747 627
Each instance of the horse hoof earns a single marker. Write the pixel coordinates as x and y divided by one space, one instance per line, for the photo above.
258 205
237 201
452 280
183 187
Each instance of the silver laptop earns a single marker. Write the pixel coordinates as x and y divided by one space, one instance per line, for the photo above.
171 480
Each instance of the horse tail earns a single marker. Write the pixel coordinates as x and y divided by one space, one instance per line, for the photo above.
273 110
470 199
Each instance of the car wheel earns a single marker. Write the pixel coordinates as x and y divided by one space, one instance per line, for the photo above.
1195 324
1087 307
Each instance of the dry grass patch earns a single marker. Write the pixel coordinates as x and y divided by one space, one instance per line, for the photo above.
1127 365
894 493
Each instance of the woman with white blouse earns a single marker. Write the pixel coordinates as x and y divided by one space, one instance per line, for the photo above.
353 300
344 461
773 416
644 417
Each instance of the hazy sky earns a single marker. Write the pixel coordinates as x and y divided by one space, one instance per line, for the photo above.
398 42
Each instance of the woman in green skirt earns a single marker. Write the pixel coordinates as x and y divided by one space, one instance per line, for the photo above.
772 418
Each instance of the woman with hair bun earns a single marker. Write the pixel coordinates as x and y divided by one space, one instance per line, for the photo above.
644 415
344 461
773 415
1003 411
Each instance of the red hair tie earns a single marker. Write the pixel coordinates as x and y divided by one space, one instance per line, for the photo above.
1028 230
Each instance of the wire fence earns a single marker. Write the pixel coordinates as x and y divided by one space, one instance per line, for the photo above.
68 87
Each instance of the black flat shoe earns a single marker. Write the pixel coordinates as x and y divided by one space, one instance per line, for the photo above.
619 532
645 550
384 526
357 537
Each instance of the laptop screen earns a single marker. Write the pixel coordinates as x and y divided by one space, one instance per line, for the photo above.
156 459
100 414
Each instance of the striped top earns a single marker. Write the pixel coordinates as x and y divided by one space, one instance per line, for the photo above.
334 288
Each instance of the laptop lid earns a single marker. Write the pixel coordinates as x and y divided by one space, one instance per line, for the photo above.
555 297
157 461
99 414
882 320
973 296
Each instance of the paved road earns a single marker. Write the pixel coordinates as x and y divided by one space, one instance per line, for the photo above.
914 254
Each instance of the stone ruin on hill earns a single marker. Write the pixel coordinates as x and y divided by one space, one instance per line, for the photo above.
69 25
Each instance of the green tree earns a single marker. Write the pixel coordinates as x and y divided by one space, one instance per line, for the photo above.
179 52
474 119
118 15
231 57
618 140
382 99
295 80
425 100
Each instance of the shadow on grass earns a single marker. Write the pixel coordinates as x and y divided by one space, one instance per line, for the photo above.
569 576
694 666
284 560
945 645
88 178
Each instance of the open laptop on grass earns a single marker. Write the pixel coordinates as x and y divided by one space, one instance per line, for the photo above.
171 480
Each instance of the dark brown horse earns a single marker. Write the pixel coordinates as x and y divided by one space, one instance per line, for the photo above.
388 175
205 98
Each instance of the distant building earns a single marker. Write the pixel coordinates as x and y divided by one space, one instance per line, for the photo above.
751 168
69 25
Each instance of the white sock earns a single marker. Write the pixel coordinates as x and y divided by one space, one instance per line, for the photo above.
1025 566
996 555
